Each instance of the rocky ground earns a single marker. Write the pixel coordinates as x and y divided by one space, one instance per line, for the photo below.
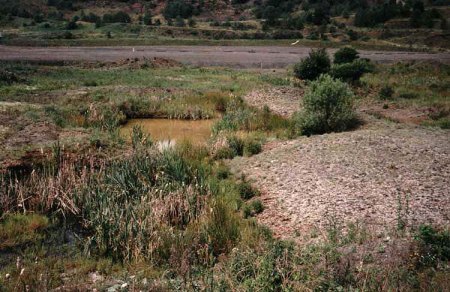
380 175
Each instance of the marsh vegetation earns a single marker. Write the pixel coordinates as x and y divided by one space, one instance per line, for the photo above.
86 205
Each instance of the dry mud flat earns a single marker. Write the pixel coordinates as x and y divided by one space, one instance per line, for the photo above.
363 176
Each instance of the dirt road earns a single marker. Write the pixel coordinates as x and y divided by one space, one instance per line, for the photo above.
231 56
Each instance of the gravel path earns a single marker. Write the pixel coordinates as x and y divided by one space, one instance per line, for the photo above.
363 176
232 56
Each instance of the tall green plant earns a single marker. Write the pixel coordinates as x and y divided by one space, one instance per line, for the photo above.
317 63
327 107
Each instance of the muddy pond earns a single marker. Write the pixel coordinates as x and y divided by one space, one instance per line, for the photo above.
166 130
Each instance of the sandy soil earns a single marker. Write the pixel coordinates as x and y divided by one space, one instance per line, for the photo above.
232 56
364 176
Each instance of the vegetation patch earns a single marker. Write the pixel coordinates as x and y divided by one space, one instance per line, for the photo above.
327 107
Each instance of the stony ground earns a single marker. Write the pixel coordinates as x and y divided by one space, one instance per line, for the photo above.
377 175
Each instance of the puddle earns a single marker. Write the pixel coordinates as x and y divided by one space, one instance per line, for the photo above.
165 130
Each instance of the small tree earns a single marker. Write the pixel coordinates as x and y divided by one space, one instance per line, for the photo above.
313 66
327 107
345 55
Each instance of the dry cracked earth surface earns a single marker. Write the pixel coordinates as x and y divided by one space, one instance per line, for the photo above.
377 175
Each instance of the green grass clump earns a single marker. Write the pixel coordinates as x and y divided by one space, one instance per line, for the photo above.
236 144
253 208
386 92
252 147
246 190
20 229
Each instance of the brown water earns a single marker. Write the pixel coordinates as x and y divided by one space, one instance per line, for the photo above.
197 131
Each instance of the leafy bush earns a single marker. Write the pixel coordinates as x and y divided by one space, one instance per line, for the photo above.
313 66
434 245
345 55
327 107
386 92
351 71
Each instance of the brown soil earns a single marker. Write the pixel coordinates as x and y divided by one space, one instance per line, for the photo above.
363 176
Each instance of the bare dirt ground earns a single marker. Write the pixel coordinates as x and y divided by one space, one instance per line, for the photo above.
376 175
232 56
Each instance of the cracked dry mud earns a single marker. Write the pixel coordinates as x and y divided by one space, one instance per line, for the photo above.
360 176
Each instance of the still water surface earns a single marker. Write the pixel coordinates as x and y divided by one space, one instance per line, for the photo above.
164 130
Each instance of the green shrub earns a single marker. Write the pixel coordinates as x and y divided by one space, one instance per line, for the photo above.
345 55
313 66
247 211
327 107
246 191
252 147
253 208
222 172
236 144
386 92
224 153
351 71
434 245
257 206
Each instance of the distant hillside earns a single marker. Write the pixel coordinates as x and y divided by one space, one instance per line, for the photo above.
407 22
